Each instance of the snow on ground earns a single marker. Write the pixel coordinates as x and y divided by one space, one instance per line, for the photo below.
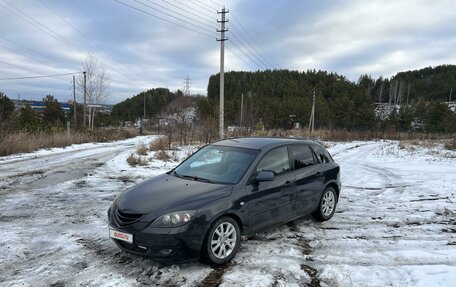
395 224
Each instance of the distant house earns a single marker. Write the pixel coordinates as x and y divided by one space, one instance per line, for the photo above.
452 106
39 106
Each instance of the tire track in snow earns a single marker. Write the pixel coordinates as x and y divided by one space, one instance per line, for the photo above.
380 234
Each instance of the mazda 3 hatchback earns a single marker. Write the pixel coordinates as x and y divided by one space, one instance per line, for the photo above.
228 189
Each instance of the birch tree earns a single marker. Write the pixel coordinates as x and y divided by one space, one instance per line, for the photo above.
97 82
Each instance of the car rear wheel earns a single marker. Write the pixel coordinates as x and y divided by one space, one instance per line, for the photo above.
327 205
222 241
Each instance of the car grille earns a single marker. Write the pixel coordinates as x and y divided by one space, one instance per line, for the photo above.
124 218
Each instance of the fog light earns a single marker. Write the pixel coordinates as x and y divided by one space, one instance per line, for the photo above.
166 251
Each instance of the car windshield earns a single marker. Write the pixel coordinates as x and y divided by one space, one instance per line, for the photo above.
217 164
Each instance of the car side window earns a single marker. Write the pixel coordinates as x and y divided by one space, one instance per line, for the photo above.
302 156
322 155
276 160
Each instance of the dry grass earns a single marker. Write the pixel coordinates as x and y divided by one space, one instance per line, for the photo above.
159 144
142 150
135 160
162 155
343 136
411 145
28 142
451 144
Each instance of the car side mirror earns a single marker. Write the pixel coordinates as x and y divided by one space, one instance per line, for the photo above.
264 176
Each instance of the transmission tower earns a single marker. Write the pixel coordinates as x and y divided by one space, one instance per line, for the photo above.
187 83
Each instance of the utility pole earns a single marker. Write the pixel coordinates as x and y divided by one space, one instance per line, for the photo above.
74 100
85 98
222 63
408 93
185 93
312 115
451 91
242 109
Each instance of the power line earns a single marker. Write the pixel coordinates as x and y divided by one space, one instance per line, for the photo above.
253 40
242 59
212 5
196 10
67 22
37 77
185 16
254 51
43 28
199 5
38 25
85 37
27 48
191 13
23 55
163 19
250 51
245 54
215 3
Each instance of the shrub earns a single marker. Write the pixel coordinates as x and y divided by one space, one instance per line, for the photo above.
159 144
451 145
135 160
162 155
142 150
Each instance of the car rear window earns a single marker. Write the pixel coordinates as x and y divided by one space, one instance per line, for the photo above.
276 161
322 154
302 156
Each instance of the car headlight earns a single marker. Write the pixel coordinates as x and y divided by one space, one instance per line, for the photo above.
174 219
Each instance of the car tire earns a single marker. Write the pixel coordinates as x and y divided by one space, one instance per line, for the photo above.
222 241
327 205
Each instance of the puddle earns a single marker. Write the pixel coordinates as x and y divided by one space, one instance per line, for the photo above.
58 177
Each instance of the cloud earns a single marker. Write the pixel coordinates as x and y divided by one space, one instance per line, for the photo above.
141 52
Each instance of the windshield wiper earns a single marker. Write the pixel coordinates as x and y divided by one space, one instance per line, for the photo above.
196 178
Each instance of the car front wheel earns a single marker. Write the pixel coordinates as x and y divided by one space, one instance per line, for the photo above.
327 205
222 241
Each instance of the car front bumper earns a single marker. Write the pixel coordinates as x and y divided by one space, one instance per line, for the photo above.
178 244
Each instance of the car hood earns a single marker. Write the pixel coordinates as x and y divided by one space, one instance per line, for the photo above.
166 193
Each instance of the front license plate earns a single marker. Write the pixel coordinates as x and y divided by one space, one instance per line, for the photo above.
127 237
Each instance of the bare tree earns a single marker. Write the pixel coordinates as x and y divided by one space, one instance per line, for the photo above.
97 82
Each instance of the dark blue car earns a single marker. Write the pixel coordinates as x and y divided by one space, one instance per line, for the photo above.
228 189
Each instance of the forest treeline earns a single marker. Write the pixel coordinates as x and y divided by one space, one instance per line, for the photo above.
415 99
151 102
409 101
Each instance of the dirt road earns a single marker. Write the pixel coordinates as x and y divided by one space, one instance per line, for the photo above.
395 225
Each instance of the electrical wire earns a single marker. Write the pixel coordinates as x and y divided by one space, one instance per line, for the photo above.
85 37
196 10
38 25
272 63
234 43
163 19
242 59
199 5
191 13
233 35
38 77
180 14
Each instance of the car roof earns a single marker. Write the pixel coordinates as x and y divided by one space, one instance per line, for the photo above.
261 142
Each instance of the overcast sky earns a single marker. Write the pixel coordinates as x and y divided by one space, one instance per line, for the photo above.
141 51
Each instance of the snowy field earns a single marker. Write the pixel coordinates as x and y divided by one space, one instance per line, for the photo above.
395 224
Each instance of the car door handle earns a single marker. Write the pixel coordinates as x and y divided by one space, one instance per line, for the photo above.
319 174
289 182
